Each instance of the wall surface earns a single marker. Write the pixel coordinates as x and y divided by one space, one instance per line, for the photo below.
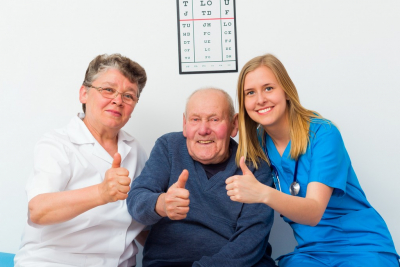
343 57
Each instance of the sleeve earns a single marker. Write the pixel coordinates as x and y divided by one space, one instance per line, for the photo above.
248 244
147 187
330 162
51 168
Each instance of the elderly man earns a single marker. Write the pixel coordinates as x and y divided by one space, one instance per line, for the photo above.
181 194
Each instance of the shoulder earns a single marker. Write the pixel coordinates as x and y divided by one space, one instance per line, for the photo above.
263 173
324 129
263 168
134 143
172 139
54 139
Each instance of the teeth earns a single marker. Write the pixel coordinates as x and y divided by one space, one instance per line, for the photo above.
264 110
205 142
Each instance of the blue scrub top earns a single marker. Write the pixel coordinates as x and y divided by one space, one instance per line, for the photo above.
349 223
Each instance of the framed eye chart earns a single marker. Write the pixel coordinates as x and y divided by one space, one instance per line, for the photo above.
207 36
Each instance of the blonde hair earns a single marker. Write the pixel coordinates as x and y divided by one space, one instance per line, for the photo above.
299 117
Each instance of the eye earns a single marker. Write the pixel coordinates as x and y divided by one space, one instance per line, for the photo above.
109 90
269 88
129 96
249 93
214 119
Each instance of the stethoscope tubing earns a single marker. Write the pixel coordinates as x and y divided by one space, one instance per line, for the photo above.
294 187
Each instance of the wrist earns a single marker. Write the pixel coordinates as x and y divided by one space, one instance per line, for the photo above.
160 205
100 199
266 195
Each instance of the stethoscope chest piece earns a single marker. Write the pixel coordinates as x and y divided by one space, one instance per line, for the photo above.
294 188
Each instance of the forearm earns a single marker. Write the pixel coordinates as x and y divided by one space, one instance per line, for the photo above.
307 211
58 207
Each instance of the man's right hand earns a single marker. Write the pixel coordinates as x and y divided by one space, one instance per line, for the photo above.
175 203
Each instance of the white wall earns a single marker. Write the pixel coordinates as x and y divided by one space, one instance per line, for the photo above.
342 55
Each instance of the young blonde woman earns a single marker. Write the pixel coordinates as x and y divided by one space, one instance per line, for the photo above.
316 189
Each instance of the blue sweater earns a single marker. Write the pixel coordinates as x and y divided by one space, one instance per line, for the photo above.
217 231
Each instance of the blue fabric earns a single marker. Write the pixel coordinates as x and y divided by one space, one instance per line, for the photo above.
6 259
216 231
332 259
350 223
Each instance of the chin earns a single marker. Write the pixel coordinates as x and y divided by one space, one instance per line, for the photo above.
205 160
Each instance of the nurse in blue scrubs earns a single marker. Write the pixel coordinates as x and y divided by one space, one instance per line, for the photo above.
316 189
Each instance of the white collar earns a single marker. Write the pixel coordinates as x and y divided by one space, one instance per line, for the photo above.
79 134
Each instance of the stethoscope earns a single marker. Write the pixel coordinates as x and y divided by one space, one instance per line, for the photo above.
294 188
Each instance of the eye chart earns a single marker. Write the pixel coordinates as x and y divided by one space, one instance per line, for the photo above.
207 36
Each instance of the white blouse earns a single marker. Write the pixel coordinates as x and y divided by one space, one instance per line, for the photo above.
71 158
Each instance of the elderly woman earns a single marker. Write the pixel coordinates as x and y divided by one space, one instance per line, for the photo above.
82 174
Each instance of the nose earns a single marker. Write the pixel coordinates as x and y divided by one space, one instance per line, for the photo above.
261 98
118 99
204 128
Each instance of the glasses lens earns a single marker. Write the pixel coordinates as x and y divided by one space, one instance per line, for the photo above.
108 92
129 99
111 93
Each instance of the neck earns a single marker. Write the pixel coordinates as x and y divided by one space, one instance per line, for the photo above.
280 135
107 139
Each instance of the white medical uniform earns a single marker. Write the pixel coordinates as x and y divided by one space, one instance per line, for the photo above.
71 158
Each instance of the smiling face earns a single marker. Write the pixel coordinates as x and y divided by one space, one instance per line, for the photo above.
264 99
103 114
207 126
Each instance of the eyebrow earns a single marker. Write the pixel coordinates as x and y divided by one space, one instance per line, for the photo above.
267 84
198 115
114 84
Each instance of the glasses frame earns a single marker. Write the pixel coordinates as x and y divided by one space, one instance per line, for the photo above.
100 89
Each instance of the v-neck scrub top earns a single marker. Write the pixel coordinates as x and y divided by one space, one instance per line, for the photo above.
349 223
67 159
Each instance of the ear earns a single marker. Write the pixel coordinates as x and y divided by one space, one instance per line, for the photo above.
83 94
184 125
235 125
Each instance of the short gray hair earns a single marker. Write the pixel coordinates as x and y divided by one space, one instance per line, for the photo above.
130 69
228 98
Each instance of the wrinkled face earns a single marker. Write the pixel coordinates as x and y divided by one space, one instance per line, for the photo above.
103 113
208 128
264 98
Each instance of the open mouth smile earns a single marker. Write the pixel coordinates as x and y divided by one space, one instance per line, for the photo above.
205 141
265 110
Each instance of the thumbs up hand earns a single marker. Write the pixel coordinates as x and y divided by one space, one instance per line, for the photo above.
115 185
244 188
174 204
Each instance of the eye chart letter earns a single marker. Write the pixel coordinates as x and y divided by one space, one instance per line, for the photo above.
207 36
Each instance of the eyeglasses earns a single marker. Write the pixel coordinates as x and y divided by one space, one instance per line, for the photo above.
111 93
